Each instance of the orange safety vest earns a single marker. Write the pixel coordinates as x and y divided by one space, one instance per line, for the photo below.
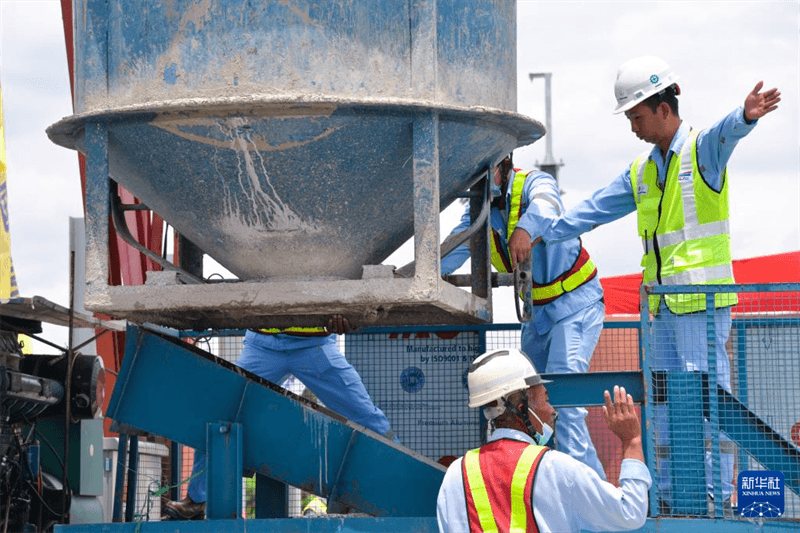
581 272
498 483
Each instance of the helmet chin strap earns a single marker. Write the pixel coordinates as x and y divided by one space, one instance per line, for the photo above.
522 414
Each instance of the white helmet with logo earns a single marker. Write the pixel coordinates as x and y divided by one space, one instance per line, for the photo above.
499 373
639 79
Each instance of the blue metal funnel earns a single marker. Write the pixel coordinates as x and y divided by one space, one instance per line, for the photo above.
278 138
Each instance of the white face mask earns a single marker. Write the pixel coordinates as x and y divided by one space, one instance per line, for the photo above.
547 431
496 191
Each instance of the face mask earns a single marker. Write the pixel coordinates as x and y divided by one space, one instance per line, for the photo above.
496 191
547 432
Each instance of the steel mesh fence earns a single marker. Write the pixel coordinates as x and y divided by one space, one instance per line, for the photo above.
702 437
726 400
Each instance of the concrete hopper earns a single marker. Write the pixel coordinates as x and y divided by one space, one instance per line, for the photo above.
294 144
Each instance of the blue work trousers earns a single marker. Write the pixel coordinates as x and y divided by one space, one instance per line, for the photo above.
680 342
568 347
318 363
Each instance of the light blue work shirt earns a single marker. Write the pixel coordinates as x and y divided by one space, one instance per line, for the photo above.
567 495
540 198
714 148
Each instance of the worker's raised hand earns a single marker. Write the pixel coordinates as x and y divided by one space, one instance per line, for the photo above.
519 246
758 104
624 423
621 415
339 325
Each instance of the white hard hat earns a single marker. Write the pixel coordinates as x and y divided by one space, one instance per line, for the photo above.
496 374
639 79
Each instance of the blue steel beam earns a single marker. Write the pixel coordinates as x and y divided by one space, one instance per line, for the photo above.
284 436
583 390
401 525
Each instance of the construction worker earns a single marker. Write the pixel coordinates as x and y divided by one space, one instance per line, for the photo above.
568 309
311 355
679 190
514 483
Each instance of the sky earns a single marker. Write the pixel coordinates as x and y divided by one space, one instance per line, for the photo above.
719 50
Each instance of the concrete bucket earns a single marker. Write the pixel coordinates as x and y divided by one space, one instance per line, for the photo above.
290 140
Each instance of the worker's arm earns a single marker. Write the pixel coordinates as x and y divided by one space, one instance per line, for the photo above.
451 508
606 205
570 496
715 145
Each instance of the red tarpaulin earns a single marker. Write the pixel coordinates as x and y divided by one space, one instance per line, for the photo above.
622 292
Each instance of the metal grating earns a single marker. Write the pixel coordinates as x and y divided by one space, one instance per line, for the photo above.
701 436
706 436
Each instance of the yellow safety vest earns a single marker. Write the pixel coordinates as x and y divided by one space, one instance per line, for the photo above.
685 229
314 506
582 271
300 332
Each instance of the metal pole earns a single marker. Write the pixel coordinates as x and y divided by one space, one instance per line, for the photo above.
549 165
133 466
119 485
68 386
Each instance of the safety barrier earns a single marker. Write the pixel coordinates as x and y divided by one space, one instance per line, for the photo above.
703 439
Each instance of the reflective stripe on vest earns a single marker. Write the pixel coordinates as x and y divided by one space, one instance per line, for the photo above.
299 332
685 230
513 512
582 271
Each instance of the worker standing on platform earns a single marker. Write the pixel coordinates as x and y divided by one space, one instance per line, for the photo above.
679 190
312 356
567 297
514 483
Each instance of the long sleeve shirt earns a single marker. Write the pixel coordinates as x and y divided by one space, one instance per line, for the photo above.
540 199
714 148
567 495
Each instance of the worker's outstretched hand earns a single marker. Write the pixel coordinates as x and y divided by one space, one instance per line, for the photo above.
339 325
621 416
757 104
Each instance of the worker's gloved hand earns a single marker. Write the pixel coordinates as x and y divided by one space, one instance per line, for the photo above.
339 325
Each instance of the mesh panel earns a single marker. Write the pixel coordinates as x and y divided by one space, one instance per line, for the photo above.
726 399
702 437
418 379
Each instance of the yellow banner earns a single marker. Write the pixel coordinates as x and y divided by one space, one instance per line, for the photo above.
8 280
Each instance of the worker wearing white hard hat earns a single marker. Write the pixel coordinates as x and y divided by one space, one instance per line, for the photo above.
568 309
679 189
514 483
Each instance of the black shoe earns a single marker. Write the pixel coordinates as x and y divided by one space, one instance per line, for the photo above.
664 508
185 509
729 509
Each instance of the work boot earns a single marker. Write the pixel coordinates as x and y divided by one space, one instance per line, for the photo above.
186 509
729 508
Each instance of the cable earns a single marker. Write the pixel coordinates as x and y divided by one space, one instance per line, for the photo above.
41 499
52 449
